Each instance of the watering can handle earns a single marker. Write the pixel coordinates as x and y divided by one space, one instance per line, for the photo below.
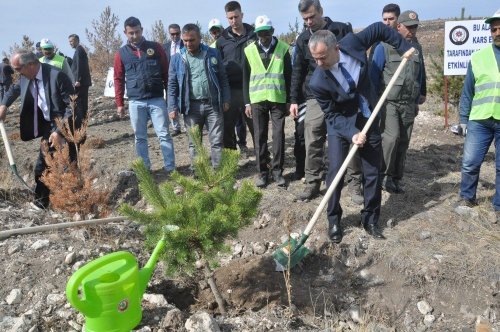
76 279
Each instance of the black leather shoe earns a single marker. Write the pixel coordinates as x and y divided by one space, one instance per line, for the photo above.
176 132
311 190
279 179
335 233
389 186
374 231
261 181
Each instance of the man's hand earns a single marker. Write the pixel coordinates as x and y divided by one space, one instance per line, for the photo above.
294 110
77 84
225 107
359 139
409 53
172 115
248 111
55 140
464 129
121 111
3 112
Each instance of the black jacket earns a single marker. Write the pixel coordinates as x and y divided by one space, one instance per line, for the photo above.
58 87
304 64
80 67
231 48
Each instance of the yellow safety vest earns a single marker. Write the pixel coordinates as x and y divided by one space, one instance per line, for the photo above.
486 101
57 61
267 84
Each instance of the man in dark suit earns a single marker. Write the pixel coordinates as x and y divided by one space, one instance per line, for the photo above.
51 89
172 47
81 72
6 73
343 89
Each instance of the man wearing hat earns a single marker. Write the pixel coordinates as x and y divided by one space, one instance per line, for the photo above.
215 29
53 59
480 116
401 106
267 72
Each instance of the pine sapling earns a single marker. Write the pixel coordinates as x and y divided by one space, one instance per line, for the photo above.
208 209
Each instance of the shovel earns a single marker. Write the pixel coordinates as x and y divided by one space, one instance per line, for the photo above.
292 252
13 166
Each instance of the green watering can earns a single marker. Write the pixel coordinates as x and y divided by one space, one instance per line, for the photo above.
108 291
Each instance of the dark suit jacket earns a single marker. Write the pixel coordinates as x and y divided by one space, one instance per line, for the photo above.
58 88
80 67
326 90
167 46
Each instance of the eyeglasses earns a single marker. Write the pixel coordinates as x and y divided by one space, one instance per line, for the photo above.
175 34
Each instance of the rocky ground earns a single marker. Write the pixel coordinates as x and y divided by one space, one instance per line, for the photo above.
438 270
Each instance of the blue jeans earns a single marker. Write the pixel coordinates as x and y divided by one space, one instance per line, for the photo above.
155 109
480 134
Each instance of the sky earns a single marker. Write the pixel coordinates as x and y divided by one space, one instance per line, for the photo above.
57 19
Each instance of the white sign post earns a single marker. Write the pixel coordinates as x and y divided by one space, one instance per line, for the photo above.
461 39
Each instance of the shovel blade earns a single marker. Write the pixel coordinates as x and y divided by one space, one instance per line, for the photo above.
290 253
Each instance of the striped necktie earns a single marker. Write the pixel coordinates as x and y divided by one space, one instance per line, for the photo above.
363 103
35 107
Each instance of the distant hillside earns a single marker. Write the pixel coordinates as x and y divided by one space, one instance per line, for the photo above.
430 34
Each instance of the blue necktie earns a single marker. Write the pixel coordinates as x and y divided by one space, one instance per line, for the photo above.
363 103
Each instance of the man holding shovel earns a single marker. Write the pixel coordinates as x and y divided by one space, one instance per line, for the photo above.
44 92
343 89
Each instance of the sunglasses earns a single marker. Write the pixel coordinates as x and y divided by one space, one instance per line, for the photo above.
175 34
494 29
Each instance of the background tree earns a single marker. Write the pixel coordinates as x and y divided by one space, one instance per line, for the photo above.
105 41
436 86
26 44
291 35
158 33
208 209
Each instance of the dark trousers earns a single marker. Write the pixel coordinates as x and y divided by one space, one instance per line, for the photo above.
261 112
370 155
82 102
299 147
3 90
396 126
42 192
235 119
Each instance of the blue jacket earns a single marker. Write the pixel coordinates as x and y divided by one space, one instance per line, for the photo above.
341 113
178 80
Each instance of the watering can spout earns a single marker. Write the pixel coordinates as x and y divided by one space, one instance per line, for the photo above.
147 271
